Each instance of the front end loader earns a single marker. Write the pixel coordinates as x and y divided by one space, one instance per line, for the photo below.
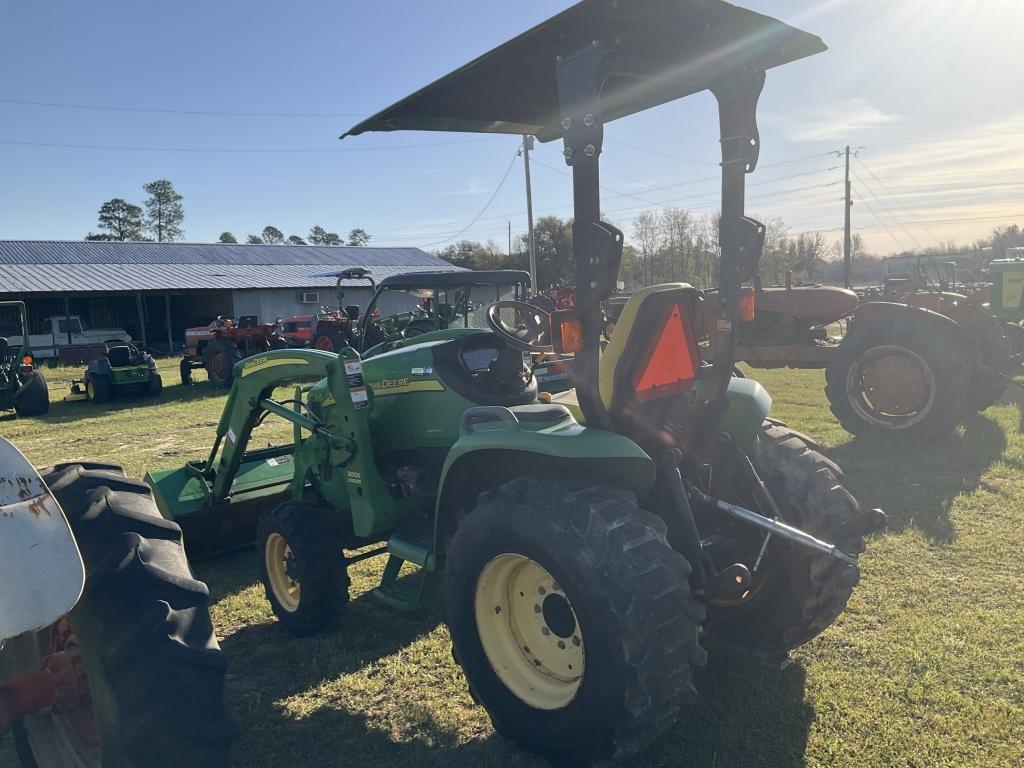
589 549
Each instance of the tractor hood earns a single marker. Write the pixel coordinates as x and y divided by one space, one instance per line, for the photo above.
654 51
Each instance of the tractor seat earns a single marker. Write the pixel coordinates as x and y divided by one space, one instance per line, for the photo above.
119 356
641 328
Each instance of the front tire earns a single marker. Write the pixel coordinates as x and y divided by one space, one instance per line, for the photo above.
302 566
571 618
34 398
185 369
98 388
798 596
155 670
899 378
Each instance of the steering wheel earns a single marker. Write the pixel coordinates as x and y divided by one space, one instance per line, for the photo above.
532 332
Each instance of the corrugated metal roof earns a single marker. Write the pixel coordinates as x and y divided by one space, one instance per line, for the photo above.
66 266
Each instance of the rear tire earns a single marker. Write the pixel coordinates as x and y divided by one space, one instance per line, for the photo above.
221 356
799 599
933 366
34 398
98 388
620 608
155 669
994 351
330 341
155 385
302 566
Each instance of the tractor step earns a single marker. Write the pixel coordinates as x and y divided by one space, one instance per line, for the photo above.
411 543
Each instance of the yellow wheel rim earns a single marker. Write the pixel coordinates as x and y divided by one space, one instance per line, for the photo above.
90 390
529 631
278 558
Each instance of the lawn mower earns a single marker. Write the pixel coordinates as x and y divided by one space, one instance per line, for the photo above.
588 550
22 387
219 345
124 369
107 651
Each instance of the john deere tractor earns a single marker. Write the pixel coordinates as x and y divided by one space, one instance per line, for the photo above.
589 552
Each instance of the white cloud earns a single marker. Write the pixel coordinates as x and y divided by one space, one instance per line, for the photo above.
837 122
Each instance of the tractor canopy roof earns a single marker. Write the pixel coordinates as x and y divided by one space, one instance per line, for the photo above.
455 279
653 51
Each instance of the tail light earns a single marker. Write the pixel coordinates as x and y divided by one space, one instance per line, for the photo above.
566 332
747 302
26 364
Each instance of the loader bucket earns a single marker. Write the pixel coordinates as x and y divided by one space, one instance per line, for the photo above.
183 495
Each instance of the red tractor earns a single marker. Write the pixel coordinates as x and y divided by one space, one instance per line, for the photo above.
329 329
913 358
219 345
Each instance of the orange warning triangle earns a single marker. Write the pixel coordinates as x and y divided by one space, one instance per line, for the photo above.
672 361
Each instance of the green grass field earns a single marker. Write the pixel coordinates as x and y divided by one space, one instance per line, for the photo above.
926 668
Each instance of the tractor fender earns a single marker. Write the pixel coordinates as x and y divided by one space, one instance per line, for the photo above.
497 453
874 311
100 366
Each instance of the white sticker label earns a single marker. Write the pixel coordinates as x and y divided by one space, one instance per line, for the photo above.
359 397
231 435
351 369
724 326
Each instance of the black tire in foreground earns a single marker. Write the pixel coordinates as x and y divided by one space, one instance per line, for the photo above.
221 356
143 628
155 385
34 398
906 377
571 617
98 388
793 599
302 566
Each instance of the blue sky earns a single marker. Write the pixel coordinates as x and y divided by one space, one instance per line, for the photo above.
946 75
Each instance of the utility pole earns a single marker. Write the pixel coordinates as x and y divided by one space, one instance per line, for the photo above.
510 239
527 146
847 239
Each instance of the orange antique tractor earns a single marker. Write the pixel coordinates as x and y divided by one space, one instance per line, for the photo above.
219 345
914 360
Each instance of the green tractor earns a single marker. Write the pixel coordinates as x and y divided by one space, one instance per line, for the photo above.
22 388
124 369
588 551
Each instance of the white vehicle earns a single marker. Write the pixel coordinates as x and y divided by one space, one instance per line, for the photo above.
68 331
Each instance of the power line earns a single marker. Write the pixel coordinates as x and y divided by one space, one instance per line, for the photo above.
885 226
486 205
898 200
882 205
237 150
940 140
657 153
161 111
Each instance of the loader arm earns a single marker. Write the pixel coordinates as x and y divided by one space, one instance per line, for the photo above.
255 379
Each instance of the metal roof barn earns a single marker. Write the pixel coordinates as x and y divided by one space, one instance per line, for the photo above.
154 291
41 266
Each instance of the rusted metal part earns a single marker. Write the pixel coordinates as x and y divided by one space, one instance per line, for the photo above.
41 572
895 383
